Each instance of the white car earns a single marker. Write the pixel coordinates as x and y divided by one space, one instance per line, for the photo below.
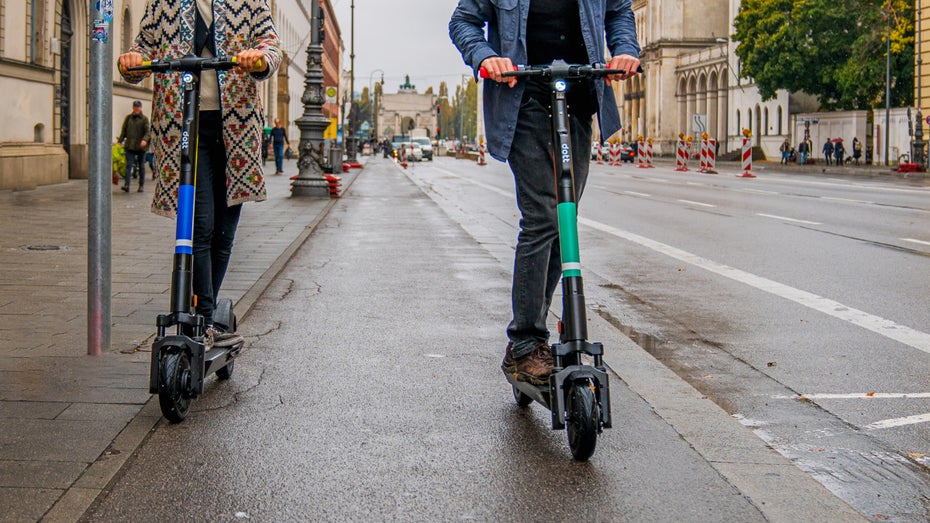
426 145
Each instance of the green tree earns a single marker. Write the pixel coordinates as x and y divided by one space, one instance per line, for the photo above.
833 49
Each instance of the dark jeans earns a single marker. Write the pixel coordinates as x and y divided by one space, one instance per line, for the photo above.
214 223
537 266
279 157
135 160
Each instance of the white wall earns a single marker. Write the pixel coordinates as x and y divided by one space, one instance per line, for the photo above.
25 105
898 139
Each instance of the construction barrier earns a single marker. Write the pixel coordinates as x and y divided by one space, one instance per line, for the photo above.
649 154
600 154
747 160
709 156
334 185
681 158
614 154
481 151
641 155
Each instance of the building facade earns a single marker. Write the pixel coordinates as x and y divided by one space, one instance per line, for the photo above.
407 112
44 72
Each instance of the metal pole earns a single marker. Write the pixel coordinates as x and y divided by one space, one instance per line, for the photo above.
917 155
350 132
312 123
887 80
98 183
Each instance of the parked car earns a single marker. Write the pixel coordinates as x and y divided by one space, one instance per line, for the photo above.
426 145
413 151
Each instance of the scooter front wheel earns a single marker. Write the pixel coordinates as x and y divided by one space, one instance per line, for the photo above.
174 375
582 424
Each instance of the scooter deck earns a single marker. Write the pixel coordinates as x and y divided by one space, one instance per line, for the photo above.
539 393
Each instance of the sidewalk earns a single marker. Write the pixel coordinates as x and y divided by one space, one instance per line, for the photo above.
68 421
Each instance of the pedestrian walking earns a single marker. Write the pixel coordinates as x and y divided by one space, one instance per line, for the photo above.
229 170
803 149
828 150
266 144
278 142
135 136
857 150
518 131
838 151
785 149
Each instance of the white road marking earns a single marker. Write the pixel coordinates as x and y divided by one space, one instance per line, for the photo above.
898 422
912 240
860 396
634 193
689 202
786 219
887 328
760 191
847 200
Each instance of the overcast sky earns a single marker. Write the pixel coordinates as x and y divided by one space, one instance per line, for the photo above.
401 37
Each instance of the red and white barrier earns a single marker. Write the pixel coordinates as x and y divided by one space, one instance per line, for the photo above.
747 160
600 154
481 151
709 156
681 158
641 154
649 155
614 154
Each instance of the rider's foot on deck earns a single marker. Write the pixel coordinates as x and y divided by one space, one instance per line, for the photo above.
533 368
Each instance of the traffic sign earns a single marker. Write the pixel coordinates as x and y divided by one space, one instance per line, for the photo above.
331 94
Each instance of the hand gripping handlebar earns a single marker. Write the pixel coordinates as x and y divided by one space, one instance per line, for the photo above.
188 64
559 69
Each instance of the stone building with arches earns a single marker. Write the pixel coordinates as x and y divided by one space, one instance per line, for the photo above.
407 112
45 78
690 69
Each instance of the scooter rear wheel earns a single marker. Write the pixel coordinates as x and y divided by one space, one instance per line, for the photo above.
226 372
583 416
522 399
174 375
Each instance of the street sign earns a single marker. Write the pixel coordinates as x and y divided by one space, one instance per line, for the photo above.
331 94
698 123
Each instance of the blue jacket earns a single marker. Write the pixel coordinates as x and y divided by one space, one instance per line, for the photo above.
506 20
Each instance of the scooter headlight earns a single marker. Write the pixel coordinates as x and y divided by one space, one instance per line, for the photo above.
561 86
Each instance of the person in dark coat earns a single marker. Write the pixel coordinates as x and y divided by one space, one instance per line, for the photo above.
828 150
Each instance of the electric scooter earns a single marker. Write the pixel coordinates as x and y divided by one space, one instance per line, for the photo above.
578 394
183 358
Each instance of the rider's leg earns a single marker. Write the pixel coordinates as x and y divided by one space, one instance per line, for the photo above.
537 266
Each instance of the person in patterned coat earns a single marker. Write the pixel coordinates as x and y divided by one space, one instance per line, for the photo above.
229 169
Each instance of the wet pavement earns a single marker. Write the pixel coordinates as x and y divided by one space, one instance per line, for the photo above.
370 389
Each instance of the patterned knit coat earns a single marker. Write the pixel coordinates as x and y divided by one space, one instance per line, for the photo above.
167 31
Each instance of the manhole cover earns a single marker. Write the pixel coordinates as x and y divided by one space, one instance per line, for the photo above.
44 248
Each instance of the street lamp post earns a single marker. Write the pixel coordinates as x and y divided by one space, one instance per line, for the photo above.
312 123
917 152
350 131
374 98
887 79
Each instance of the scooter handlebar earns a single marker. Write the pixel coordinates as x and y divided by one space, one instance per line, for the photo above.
188 64
564 70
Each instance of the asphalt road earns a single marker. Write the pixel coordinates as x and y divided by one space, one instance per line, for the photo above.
370 391
797 303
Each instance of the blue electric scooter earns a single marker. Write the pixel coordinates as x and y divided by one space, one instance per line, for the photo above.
182 359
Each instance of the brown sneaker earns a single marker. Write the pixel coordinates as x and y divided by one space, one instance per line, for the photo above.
533 368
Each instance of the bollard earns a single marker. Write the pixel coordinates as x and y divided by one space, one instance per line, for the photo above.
747 160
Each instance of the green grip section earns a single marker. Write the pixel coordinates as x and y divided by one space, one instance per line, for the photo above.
568 239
